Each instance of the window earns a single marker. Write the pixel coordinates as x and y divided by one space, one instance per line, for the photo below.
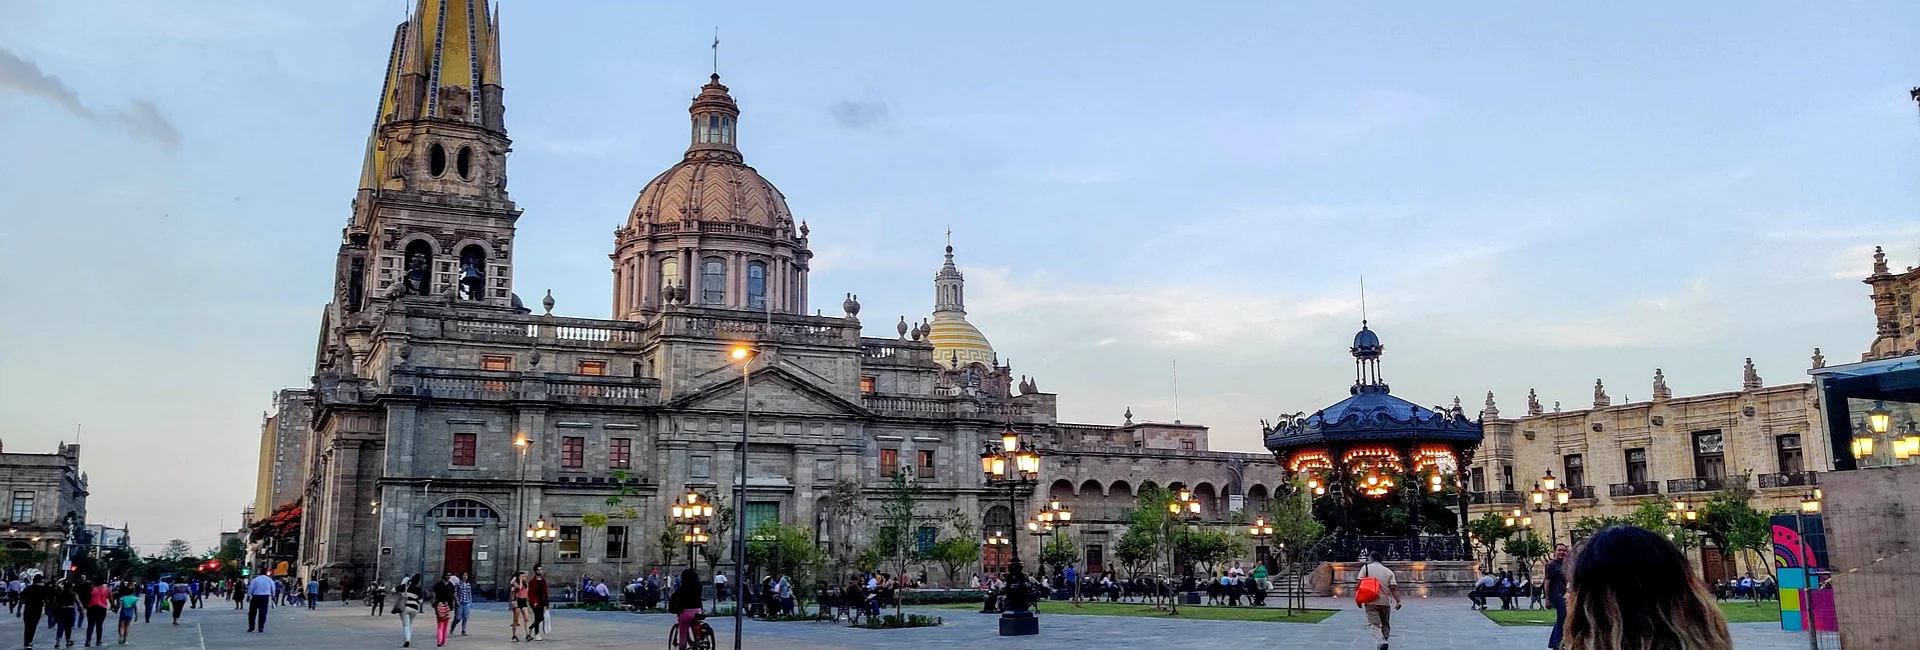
669 273
569 542
1788 447
436 159
461 509
925 463
573 451
699 466
923 540
1097 558
866 384
1506 477
756 285
616 542
1636 465
761 513
592 368
713 282
1576 470
889 462
496 363
1186 445
463 448
463 162
22 507
473 271
1709 455
620 453
1479 479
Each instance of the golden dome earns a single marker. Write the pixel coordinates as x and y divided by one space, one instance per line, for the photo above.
957 342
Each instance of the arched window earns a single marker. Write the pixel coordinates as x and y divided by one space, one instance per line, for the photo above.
756 285
436 159
669 274
419 268
461 509
463 162
713 282
473 270
726 130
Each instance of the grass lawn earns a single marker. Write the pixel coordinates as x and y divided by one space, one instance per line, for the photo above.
1737 611
1203 613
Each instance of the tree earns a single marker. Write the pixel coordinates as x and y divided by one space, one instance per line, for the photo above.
1486 534
1587 526
1137 550
1525 549
1294 528
1059 551
846 505
617 508
1730 521
897 538
176 549
717 530
959 551
669 544
784 550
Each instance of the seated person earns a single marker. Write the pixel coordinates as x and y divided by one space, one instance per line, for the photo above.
1481 589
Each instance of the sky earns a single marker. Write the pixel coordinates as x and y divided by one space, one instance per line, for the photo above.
1168 211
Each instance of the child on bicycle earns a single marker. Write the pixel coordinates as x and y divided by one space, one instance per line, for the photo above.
686 603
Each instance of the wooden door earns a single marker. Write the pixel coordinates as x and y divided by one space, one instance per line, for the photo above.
1715 565
459 557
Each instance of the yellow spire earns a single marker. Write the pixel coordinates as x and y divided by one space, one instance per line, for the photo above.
490 75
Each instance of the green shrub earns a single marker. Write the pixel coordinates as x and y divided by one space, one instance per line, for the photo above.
895 621
941 596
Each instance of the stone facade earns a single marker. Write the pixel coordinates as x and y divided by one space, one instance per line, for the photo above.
46 498
1895 319
444 421
283 452
1615 457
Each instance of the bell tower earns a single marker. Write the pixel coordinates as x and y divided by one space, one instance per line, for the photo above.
432 217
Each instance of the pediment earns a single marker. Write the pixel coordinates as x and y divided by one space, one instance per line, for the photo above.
773 391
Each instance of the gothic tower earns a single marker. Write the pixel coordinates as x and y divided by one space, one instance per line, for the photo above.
432 217
710 232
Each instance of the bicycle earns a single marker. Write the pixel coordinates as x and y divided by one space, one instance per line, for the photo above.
702 635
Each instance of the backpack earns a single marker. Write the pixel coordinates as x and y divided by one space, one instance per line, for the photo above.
1370 590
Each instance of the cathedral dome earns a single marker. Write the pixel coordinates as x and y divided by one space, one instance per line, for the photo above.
712 183
957 342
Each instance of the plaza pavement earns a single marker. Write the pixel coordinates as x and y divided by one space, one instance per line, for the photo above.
1432 624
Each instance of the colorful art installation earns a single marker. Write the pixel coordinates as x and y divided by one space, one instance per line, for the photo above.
1799 558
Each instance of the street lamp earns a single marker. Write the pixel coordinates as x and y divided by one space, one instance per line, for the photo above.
540 534
696 513
1013 466
1550 498
1260 531
744 354
1183 509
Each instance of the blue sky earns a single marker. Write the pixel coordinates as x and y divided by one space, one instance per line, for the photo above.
1537 194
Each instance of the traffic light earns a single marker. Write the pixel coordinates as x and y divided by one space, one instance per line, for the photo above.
246 572
213 565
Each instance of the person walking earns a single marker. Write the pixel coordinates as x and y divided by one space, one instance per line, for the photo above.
127 604
313 592
1379 611
407 606
33 601
63 610
149 595
1631 588
443 606
685 604
537 599
320 594
180 594
517 591
1557 594
259 597
99 598
463 601
378 596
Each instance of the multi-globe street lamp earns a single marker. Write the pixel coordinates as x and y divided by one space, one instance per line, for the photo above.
1549 497
695 513
1013 466
1183 509
540 534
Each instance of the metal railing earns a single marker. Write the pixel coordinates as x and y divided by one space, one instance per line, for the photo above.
1642 488
1789 479
1580 491
1495 497
1704 483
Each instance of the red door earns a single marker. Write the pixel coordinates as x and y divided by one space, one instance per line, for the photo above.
459 558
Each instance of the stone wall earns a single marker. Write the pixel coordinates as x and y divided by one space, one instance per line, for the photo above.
1872 524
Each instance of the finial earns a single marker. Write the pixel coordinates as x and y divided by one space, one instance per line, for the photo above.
1128 415
1879 261
1490 411
1363 301
1600 398
1660 391
1533 402
547 302
949 241
716 54
1750 379
902 327
1819 360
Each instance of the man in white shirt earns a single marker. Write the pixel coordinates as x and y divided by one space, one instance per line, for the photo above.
719 586
259 592
1379 614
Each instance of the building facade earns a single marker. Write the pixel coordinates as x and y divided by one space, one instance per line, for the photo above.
46 499
1895 320
283 452
446 417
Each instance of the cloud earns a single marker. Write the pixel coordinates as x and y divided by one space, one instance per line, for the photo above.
859 114
141 118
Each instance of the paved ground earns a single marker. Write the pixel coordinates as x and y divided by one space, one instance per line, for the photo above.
1442 625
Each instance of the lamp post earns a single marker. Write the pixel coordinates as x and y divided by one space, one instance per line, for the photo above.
1550 498
1013 466
745 354
540 534
522 444
1062 518
1183 509
696 513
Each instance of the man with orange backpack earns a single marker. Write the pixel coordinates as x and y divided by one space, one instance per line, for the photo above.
1376 585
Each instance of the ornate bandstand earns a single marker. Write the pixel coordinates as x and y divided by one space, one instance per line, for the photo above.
1383 471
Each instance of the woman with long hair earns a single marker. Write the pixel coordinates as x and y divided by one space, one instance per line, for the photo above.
410 595
1632 589
517 587
686 604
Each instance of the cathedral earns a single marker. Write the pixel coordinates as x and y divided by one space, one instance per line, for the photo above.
445 416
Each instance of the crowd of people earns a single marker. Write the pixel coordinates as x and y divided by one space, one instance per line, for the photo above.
66 603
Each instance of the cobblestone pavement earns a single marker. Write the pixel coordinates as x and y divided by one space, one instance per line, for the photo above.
1441 625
